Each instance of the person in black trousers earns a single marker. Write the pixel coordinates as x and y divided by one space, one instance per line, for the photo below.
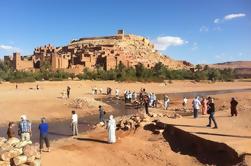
146 103
211 111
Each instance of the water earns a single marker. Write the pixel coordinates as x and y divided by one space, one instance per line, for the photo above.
60 128
202 93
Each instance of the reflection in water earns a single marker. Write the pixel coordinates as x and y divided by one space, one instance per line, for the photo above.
61 128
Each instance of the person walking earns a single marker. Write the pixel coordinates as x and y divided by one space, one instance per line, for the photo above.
11 132
111 126
74 123
101 114
43 129
233 106
211 112
196 106
166 102
204 106
68 91
24 129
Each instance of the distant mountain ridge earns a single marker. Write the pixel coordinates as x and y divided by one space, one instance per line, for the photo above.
232 64
242 68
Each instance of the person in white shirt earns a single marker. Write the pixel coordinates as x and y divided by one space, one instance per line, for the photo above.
184 103
74 123
166 102
117 92
196 106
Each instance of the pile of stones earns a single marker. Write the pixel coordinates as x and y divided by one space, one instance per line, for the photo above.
14 152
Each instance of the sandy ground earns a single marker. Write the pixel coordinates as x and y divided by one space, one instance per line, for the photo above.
47 102
132 148
140 148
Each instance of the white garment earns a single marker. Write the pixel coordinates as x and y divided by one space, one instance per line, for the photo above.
196 103
185 100
116 92
74 118
111 130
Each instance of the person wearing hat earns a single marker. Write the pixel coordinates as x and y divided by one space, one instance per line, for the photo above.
211 112
24 129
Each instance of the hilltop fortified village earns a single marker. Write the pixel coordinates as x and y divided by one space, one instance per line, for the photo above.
105 52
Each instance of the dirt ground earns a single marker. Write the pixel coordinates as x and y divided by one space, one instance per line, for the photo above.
48 102
139 148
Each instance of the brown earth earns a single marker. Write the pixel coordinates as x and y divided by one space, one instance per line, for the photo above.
139 148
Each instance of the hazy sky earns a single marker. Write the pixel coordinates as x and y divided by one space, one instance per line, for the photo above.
199 31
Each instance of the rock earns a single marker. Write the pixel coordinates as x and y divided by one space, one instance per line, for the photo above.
20 160
5 146
23 144
31 159
35 163
13 141
30 150
100 124
2 141
177 116
4 163
7 155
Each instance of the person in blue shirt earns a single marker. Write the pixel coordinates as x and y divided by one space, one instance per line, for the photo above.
43 128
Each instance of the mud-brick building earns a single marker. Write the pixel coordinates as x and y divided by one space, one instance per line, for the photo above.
95 52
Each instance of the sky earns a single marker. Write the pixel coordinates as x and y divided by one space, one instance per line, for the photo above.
199 31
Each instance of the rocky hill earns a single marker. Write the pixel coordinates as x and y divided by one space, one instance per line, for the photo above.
105 52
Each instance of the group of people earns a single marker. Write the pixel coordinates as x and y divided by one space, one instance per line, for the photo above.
25 131
208 107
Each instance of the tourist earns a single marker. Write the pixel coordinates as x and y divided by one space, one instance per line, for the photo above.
134 95
196 106
130 96
100 91
184 103
24 129
68 90
43 128
233 104
16 86
151 99
146 103
204 106
74 123
37 87
101 114
125 95
154 100
117 93
166 102
111 126
211 112
10 132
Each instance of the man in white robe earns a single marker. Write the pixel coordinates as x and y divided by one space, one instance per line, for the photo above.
111 130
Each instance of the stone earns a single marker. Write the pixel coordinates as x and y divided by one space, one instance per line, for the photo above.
20 160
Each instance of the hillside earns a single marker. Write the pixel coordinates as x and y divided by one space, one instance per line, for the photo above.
233 65
242 68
